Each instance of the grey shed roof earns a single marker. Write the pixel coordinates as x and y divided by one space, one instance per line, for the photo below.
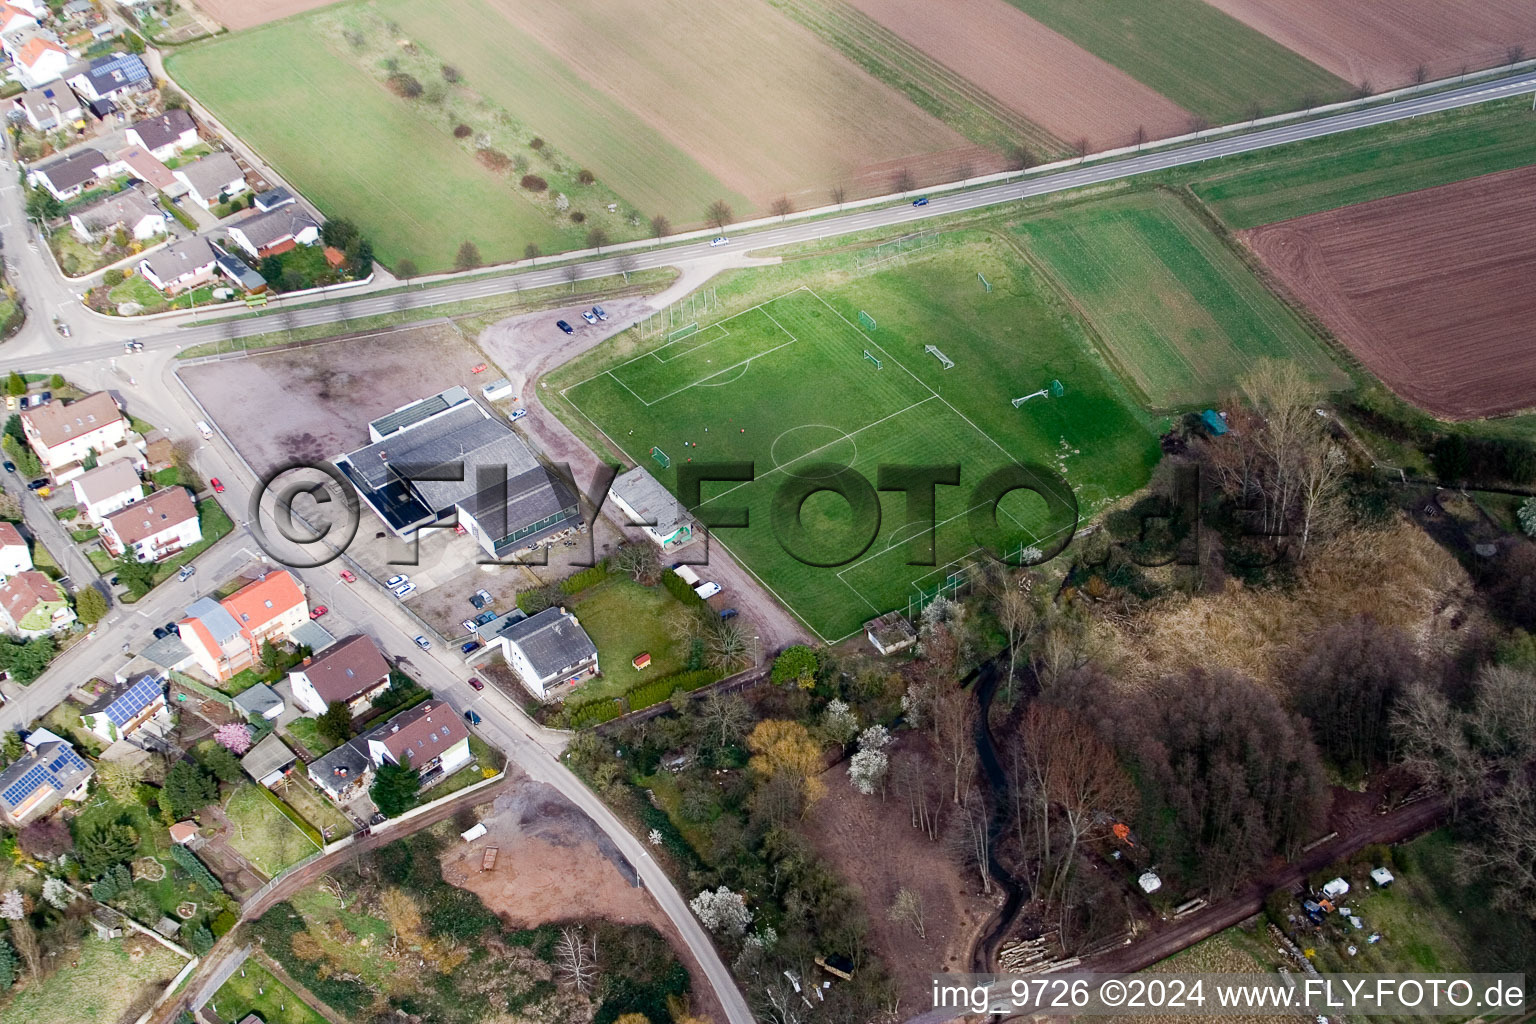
167 653
258 700
654 503
342 766
215 617
422 409
180 258
273 198
74 169
211 173
313 635
533 497
464 435
552 641
266 757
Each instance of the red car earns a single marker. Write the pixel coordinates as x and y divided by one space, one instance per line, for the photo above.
347 577
479 369
218 488
477 684
318 611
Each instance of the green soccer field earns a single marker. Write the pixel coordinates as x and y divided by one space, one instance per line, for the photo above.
786 385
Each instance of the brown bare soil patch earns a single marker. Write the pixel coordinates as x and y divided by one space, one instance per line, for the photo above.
872 845
1029 68
758 100
1384 42
1430 289
238 14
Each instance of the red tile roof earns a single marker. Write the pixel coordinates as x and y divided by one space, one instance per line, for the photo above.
261 602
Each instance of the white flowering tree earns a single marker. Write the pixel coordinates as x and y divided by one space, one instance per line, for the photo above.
655 837
1527 516
839 722
876 737
11 906
56 893
866 770
722 911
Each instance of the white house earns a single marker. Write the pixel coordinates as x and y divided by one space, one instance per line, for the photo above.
15 556
36 8
49 106
120 710
226 636
68 176
64 435
40 59
107 488
353 672
277 230
130 209
164 135
31 604
180 266
155 528
548 650
13 19
213 176
429 737
651 507
110 77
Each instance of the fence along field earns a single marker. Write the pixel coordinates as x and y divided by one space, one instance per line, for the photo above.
785 384
1193 54
1177 312
1431 289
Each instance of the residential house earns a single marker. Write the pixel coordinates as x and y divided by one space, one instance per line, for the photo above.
13 19
429 737
36 783
163 524
211 178
64 435
36 8
164 135
109 78
547 650
49 106
260 701
226 636
107 488
180 266
353 672
31 604
345 773
651 507
238 271
130 210
268 761
40 58
15 555
277 231
121 710
70 175
149 170
183 833
272 199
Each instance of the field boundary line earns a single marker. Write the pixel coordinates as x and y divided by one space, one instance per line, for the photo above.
710 534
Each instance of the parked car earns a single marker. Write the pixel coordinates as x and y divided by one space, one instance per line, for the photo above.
216 484
472 718
347 576
728 614
37 485
517 414
160 633
395 581
404 589
485 617
722 240
423 643
589 316
475 684
478 369
172 628
44 398
317 611
471 647
469 625
920 201
10 467
187 571
567 328
459 529
130 347
707 590
597 311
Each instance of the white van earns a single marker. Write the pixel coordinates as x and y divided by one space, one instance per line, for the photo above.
707 590
205 430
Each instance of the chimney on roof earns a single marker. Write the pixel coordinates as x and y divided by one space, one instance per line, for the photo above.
394 728
307 660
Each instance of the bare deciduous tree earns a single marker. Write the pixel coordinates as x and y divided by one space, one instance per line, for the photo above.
728 646
904 181
907 908
640 560
660 226
1139 137
575 960
1082 147
837 194
782 207
1421 74
719 214
725 716
954 733
572 273
626 264
923 795
1019 617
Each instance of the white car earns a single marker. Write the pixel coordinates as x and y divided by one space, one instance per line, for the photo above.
423 643
395 581
403 589
722 240
589 316
707 590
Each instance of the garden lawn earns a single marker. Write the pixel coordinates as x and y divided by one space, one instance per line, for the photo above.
1176 310
253 989
481 768
1202 59
308 733
785 384
625 619
98 985
297 792
263 834
357 151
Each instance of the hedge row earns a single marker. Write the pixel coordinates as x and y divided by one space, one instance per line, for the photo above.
594 713
591 577
293 816
194 867
641 695
679 588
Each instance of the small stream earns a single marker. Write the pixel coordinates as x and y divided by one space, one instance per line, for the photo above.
986 680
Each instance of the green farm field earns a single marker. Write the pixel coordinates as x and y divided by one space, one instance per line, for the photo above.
785 384
1179 314
1202 59
1373 163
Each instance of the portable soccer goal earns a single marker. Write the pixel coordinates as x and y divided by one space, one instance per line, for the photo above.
933 350
683 332
1053 390
661 458
985 284
871 357
866 321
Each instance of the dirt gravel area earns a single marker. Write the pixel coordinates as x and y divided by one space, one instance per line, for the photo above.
555 864
1037 72
316 400
1382 43
1431 290
757 99
238 14
872 845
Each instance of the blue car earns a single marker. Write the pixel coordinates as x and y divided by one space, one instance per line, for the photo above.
471 647
567 328
920 201
471 718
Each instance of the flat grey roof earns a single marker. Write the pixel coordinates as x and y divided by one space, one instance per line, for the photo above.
409 415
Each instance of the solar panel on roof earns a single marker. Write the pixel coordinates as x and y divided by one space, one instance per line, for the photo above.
23 787
138 697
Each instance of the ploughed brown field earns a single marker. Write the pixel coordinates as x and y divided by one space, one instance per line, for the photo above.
1382 43
238 14
1431 290
1032 70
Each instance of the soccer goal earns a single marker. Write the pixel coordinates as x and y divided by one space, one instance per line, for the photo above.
661 458
933 350
683 332
871 357
1054 390
866 321
985 284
